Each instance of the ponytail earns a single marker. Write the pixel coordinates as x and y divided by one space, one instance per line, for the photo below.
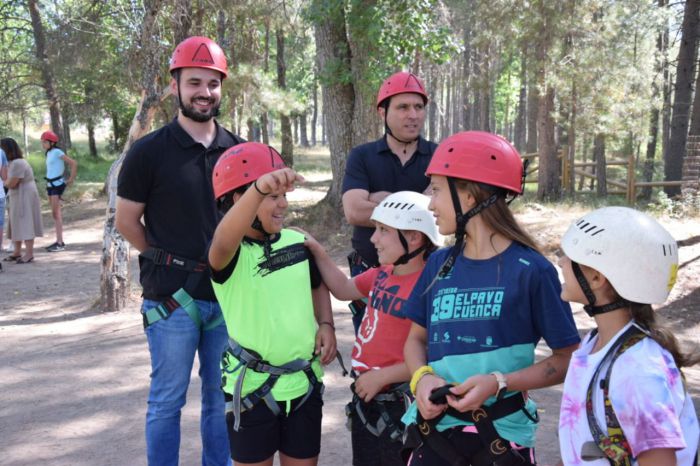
645 316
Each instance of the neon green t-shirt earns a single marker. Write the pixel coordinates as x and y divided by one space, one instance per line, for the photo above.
267 306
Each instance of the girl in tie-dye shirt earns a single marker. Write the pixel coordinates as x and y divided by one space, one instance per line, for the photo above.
617 263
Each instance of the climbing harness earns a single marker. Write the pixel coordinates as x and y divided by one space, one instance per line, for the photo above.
496 450
614 445
250 360
181 298
385 423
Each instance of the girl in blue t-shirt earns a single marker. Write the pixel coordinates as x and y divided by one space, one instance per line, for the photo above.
56 161
478 311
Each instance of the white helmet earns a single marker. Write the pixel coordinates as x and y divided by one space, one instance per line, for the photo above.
408 210
636 254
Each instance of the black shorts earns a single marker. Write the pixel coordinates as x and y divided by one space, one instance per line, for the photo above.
261 433
367 448
56 190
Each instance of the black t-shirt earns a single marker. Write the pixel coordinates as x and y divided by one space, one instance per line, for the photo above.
170 173
374 167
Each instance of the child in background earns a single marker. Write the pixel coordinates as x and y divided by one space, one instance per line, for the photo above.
405 234
56 161
277 312
478 311
625 400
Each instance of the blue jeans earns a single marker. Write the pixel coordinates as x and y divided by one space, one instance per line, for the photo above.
173 344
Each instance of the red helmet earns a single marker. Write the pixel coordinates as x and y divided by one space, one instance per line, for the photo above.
400 83
242 164
481 157
199 52
49 136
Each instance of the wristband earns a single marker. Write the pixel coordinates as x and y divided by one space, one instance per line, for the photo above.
417 375
255 185
330 324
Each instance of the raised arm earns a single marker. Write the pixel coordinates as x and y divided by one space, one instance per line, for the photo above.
342 286
235 224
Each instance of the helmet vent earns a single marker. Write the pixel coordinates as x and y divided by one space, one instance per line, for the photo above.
450 149
668 249
245 160
493 157
587 227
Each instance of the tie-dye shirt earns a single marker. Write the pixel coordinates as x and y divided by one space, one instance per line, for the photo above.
647 394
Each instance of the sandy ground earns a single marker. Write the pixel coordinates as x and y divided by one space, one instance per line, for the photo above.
74 381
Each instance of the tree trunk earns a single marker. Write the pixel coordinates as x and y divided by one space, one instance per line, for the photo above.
264 128
250 127
520 136
432 105
599 155
115 278
66 138
654 114
295 127
532 116
303 136
681 97
46 72
571 175
456 105
466 76
314 113
181 20
584 156
91 137
287 152
548 185
366 122
334 63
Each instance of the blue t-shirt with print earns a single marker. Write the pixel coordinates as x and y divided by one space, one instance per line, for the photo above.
55 166
488 315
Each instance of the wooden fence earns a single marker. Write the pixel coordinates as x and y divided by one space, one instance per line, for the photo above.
628 187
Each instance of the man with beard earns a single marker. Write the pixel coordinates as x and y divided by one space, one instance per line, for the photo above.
396 162
166 178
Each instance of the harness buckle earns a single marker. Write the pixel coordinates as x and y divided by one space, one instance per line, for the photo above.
159 256
497 447
424 428
479 414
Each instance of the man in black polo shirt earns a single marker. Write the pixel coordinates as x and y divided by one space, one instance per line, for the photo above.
396 162
166 179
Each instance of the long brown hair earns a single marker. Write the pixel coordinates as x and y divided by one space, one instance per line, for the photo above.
645 316
11 149
498 216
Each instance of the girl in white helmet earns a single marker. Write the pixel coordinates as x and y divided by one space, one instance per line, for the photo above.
405 234
624 401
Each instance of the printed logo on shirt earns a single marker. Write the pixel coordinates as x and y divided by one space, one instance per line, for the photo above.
466 339
488 342
385 299
453 304
284 257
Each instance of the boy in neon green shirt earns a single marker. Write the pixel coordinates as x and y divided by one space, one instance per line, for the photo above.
277 312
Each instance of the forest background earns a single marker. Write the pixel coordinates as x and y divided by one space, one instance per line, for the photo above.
585 80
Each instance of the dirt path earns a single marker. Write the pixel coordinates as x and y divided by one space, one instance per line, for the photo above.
74 381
